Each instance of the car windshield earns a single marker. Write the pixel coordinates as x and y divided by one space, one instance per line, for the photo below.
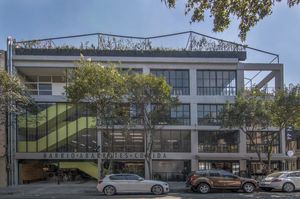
275 175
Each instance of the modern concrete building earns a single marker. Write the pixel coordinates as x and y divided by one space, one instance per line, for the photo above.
62 135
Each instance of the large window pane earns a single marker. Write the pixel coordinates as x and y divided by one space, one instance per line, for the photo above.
262 141
216 82
209 114
218 141
172 141
178 79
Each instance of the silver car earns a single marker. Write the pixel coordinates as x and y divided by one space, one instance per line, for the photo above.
130 183
287 181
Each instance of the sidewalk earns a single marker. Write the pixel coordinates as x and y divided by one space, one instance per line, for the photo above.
50 188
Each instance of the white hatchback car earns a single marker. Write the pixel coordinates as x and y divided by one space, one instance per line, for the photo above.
130 183
287 181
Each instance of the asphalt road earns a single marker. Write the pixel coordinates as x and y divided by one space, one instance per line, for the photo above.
215 195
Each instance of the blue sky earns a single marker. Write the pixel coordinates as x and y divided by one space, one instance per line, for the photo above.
29 19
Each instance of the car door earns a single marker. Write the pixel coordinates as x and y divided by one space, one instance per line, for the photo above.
229 180
215 178
135 184
119 182
295 177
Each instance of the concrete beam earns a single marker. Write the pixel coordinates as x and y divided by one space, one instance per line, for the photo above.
265 80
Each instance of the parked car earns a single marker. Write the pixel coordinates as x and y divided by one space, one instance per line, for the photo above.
203 181
287 181
127 183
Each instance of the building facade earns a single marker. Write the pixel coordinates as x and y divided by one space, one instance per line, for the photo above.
63 135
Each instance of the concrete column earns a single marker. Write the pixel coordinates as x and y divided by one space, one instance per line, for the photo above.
279 79
194 119
243 165
193 82
282 142
240 78
243 143
146 70
194 150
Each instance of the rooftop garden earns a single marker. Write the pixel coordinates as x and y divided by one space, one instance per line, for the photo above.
184 44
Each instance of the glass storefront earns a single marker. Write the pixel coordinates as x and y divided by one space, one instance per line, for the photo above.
171 170
129 166
54 170
231 166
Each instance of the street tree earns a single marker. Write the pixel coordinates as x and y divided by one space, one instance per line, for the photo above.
103 88
255 111
14 96
249 113
285 109
152 97
247 12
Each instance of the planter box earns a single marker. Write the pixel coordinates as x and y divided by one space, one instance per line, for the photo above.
241 55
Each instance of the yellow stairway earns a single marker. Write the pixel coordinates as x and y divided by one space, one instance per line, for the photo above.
89 168
62 135
47 114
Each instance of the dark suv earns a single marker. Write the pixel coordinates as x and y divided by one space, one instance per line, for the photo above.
203 181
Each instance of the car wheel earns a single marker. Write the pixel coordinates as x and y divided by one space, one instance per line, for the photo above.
109 190
248 187
266 189
157 190
203 188
288 187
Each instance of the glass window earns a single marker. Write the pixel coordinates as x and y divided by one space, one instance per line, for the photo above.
209 114
180 115
172 141
123 141
216 82
178 79
132 177
117 177
218 141
229 166
262 141
214 174
56 127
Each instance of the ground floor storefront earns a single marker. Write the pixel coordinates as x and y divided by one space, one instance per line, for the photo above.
51 167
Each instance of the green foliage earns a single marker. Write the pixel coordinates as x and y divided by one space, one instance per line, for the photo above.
249 112
285 107
247 12
13 95
102 87
147 90
152 95
254 111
